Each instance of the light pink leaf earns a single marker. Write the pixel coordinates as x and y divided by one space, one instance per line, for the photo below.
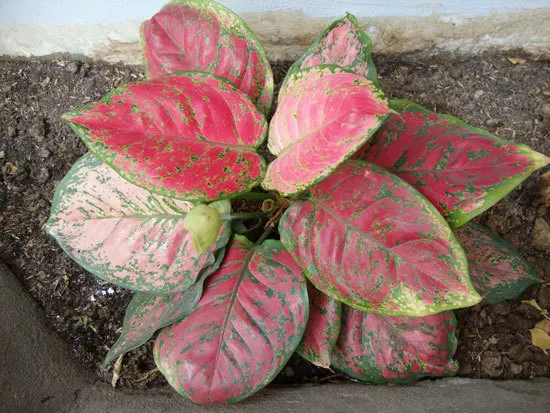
126 235
324 115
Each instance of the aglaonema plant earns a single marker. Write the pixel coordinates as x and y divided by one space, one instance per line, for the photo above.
367 246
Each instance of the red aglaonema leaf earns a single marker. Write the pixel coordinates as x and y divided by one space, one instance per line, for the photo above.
497 271
126 235
204 36
460 169
246 326
342 44
324 115
384 349
191 136
370 240
148 313
322 328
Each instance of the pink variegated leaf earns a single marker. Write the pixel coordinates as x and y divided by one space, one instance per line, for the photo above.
460 169
385 349
342 44
322 328
126 235
148 313
497 271
324 115
190 136
370 240
244 329
204 36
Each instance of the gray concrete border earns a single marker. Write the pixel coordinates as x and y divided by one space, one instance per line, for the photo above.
38 374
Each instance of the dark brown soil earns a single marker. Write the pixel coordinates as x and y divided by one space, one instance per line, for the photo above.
37 149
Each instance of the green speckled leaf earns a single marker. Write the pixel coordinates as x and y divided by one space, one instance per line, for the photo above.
322 328
342 44
461 170
246 326
204 36
189 136
385 349
148 313
370 240
497 271
126 235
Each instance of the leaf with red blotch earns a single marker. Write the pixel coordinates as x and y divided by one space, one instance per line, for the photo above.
342 44
191 136
126 235
324 115
385 349
148 313
460 169
497 271
246 326
370 240
204 36
322 328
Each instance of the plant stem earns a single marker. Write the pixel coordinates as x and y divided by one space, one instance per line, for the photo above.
256 196
264 235
242 215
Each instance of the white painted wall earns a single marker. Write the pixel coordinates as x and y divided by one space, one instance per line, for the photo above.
109 29
84 12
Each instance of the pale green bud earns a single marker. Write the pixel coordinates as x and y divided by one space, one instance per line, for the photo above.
204 223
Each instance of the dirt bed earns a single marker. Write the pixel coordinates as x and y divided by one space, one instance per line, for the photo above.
37 149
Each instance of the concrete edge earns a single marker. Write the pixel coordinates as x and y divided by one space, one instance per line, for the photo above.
38 374
286 34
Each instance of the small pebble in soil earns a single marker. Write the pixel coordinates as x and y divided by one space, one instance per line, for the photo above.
541 234
544 109
72 67
515 369
42 175
11 131
478 94
38 130
44 153
493 123
492 363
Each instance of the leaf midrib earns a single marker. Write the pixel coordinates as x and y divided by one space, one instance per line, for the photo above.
232 301
158 216
319 128
368 236
176 138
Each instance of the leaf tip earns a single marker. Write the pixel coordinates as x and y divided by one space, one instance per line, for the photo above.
67 116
